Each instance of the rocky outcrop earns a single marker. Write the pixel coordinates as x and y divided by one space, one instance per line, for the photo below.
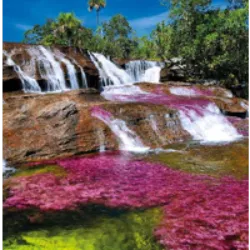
39 127
173 72
20 55
222 97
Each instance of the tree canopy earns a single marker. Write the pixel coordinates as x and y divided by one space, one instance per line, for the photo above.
212 42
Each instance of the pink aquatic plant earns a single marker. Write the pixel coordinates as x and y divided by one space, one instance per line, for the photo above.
201 212
242 125
215 217
109 179
98 111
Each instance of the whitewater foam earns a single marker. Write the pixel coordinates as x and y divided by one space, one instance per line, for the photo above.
208 125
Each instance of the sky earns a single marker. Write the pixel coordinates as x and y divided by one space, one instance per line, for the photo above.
19 16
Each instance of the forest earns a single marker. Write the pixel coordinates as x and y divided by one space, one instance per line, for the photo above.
211 42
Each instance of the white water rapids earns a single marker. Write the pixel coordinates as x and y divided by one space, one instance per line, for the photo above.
208 125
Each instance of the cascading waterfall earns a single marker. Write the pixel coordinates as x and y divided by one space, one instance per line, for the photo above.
84 78
208 125
7 169
83 75
49 68
110 74
144 71
136 71
205 123
152 75
129 141
70 70
101 138
29 84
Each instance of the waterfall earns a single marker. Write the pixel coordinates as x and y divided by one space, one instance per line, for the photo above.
200 117
101 138
7 170
110 74
152 75
70 70
208 125
136 71
83 75
29 84
49 68
144 71
128 139
84 78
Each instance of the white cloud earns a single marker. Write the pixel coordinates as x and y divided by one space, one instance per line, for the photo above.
148 22
23 27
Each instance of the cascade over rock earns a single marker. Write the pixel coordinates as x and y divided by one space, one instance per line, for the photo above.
222 97
32 59
125 115
39 127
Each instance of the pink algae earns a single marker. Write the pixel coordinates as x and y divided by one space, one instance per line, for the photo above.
242 125
201 212
215 217
108 179
96 110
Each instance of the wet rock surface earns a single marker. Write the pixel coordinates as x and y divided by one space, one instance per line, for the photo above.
49 126
222 97
20 55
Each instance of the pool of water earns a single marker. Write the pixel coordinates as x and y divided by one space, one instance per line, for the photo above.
181 196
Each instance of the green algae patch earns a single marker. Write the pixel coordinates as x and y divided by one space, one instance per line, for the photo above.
40 169
214 160
106 231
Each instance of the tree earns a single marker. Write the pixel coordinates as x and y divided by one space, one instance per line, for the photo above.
97 5
118 36
67 26
65 30
161 37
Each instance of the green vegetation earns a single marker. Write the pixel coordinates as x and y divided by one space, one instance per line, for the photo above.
212 42
103 230
217 160
40 169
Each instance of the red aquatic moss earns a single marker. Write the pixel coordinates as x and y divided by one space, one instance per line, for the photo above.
201 212
109 179
215 217
242 125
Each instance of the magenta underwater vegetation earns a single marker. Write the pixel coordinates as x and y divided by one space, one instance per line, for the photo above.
200 211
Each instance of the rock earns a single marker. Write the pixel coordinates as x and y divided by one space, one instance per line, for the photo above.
21 57
173 73
223 98
39 127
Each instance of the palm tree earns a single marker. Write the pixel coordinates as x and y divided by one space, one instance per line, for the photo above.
97 5
67 26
